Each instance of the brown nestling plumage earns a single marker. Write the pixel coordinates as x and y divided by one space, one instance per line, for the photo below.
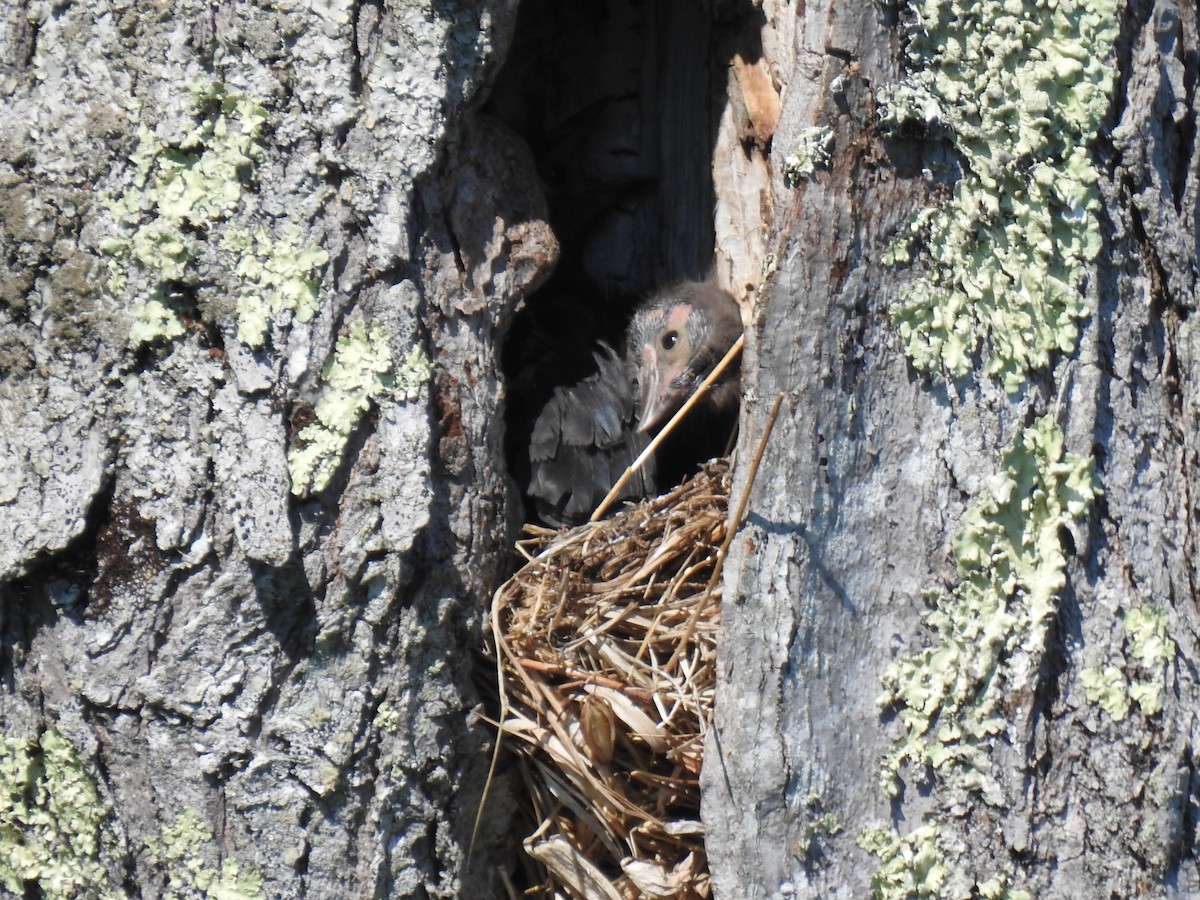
675 339
578 415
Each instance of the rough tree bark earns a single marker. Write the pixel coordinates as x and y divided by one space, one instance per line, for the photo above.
238 617
258 267
1028 683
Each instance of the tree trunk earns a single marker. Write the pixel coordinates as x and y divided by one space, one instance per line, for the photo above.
942 659
246 536
259 265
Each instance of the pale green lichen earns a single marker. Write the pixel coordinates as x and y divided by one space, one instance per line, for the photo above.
913 867
412 375
1019 89
1010 561
818 823
276 275
909 867
1022 89
1108 688
1147 695
999 888
359 374
154 318
173 223
822 826
186 852
1152 649
387 718
1149 641
904 106
55 834
813 151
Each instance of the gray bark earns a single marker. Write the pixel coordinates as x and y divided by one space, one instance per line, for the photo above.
258 684
871 473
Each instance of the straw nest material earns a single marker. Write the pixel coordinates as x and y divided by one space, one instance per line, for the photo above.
606 639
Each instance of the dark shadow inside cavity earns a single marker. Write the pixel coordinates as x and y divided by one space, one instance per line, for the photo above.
619 102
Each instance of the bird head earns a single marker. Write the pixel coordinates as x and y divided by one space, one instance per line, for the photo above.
675 339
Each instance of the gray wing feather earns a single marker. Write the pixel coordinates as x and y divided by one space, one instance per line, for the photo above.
582 441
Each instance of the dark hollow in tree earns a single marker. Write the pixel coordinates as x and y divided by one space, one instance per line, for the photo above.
619 103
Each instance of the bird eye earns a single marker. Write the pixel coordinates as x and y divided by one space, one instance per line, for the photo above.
670 339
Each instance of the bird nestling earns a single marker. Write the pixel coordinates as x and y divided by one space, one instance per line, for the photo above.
675 339
578 415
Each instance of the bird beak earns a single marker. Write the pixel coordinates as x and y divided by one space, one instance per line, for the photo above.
659 397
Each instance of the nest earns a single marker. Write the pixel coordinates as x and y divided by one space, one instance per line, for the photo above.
606 641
